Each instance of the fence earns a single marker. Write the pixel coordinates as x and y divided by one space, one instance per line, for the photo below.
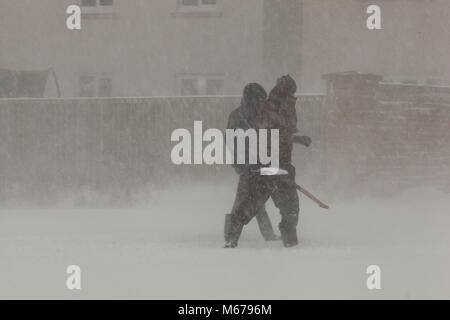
113 147
369 136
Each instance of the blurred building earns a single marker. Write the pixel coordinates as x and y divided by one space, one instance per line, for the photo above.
214 47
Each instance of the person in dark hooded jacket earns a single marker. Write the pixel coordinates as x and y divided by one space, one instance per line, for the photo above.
279 113
249 200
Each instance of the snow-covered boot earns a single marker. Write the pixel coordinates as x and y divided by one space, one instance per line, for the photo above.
233 230
290 238
226 228
288 230
265 226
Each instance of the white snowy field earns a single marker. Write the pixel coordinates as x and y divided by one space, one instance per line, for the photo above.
171 248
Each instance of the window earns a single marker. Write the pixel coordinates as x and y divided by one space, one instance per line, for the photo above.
86 86
432 82
198 5
94 85
95 3
106 2
97 6
200 85
190 87
88 3
104 87
214 87
413 82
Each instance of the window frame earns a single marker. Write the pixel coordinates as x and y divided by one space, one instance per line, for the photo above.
97 9
202 81
97 77
200 7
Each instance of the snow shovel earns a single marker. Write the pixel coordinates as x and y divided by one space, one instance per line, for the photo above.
280 172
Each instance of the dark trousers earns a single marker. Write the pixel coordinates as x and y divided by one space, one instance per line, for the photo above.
253 192
251 195
285 198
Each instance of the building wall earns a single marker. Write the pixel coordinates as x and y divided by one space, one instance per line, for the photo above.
412 43
145 45
282 38
383 137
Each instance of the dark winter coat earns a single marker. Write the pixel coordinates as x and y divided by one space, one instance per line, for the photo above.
279 113
244 117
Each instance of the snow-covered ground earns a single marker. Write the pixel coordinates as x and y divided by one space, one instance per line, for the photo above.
171 248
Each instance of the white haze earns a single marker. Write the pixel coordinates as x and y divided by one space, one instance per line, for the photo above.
171 248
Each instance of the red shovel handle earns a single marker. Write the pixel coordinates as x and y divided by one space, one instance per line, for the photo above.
312 197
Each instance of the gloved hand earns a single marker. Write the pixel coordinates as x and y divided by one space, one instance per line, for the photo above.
305 140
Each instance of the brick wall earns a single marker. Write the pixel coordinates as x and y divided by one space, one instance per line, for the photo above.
383 137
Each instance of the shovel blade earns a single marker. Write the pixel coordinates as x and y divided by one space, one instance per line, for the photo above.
273 172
